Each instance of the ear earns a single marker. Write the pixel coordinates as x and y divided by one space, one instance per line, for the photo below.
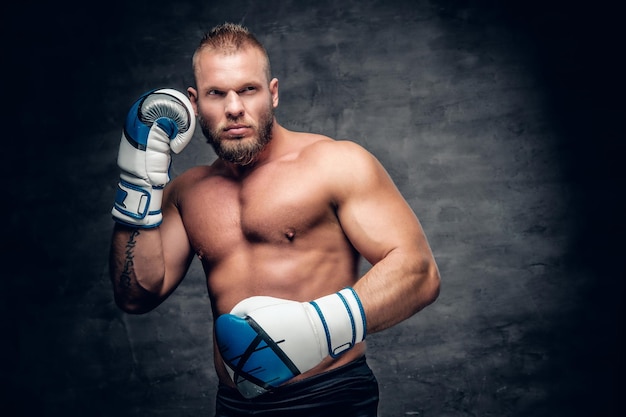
193 97
274 91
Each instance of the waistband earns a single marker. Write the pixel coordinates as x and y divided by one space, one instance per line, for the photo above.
349 388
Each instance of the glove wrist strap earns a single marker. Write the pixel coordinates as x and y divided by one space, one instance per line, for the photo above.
137 205
343 320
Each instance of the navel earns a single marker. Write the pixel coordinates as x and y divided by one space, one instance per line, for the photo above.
290 234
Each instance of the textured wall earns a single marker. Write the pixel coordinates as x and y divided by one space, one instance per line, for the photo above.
499 125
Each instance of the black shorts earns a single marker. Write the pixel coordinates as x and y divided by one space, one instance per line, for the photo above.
350 391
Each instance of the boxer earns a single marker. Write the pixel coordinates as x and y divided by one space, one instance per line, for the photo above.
279 222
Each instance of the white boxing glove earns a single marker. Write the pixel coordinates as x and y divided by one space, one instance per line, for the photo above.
158 121
266 341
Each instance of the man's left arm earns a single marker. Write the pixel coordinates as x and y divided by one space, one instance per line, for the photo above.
267 341
383 228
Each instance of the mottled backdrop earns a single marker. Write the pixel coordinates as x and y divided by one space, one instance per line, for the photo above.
501 123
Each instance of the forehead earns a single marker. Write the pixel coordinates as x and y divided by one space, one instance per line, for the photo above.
230 69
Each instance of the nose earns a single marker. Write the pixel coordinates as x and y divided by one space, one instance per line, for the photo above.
234 105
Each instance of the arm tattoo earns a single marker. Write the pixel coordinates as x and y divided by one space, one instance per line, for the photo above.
125 276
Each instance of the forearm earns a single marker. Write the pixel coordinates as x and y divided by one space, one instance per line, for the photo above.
396 288
137 268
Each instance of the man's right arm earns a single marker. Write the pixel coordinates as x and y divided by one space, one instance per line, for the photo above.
150 252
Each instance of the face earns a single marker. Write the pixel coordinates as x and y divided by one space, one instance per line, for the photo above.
235 103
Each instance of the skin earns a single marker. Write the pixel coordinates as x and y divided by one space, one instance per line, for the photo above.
289 224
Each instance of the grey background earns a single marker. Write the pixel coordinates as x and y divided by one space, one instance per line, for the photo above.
501 123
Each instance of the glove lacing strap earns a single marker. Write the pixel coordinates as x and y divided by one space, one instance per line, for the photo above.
237 363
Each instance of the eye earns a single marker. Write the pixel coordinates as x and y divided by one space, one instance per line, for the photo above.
248 89
215 93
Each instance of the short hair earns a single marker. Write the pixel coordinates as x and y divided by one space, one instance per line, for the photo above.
230 38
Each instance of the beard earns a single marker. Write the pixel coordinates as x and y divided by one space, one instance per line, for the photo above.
243 151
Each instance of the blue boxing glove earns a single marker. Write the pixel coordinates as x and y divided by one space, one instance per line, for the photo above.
159 121
266 341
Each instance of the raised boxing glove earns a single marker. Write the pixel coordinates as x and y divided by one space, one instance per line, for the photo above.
159 121
266 341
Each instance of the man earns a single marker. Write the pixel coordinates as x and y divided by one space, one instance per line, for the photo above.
279 222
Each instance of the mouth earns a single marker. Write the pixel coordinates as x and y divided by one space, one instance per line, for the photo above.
236 130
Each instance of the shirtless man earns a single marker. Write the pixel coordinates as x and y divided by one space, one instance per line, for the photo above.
280 219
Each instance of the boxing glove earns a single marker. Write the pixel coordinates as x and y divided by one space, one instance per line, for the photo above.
265 341
159 121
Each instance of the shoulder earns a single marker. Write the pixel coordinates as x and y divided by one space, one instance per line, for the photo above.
187 181
314 148
339 154
346 167
345 158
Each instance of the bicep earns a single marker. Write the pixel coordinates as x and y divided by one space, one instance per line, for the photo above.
373 213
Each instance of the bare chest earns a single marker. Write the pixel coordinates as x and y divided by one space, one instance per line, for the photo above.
273 208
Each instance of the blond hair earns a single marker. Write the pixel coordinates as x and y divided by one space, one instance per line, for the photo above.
229 38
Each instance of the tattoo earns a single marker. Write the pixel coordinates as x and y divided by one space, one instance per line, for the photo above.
129 260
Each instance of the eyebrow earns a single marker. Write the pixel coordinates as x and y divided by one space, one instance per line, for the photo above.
236 87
